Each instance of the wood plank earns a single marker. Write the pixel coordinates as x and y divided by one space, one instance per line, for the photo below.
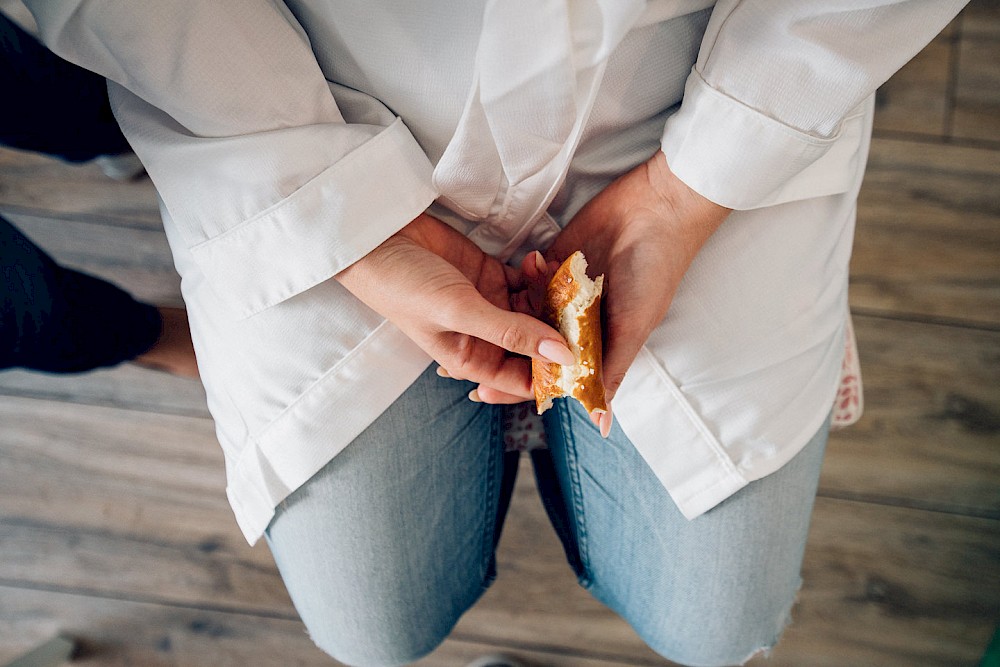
931 426
928 236
981 18
37 184
915 99
119 632
977 106
894 587
137 260
124 386
94 496
977 90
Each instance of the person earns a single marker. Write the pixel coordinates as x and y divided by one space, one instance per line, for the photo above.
53 318
354 190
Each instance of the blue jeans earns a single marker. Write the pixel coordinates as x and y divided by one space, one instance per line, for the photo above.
385 548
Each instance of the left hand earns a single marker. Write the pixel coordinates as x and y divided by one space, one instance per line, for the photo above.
642 232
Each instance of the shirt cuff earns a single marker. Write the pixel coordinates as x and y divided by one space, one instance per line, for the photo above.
329 223
742 159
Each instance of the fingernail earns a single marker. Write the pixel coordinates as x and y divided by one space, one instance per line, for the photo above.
540 263
606 420
474 396
556 352
442 372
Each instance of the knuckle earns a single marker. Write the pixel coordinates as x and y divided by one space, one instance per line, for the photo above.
514 338
461 356
453 308
448 314
614 380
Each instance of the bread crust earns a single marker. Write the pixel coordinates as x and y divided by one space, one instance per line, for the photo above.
581 327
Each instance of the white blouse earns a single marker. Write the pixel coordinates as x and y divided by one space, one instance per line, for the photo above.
286 141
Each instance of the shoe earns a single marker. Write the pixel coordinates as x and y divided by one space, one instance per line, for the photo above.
496 660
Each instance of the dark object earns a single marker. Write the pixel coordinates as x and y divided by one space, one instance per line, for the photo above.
59 320
51 105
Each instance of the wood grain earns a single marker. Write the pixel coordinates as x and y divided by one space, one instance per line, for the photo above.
981 18
894 587
928 236
931 429
124 386
977 90
35 184
915 98
120 632
94 497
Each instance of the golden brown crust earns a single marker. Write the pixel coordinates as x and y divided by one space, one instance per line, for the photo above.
589 390
589 387
544 381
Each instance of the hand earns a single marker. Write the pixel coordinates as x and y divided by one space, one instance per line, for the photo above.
642 232
454 301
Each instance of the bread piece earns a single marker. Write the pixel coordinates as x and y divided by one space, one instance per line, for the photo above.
573 307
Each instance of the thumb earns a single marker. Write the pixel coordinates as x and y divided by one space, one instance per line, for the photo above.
514 332
620 353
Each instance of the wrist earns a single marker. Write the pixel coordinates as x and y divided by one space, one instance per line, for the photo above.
689 213
404 240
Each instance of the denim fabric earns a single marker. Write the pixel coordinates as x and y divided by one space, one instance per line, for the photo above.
386 547
709 591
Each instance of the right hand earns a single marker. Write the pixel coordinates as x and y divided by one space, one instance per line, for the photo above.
454 301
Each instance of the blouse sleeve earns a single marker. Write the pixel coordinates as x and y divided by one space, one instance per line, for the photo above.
268 185
780 85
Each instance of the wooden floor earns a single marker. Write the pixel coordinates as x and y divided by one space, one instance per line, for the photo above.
114 526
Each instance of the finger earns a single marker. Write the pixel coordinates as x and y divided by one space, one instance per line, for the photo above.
533 270
620 351
520 302
607 420
528 266
536 301
514 332
443 372
480 362
555 255
534 266
603 420
530 301
485 394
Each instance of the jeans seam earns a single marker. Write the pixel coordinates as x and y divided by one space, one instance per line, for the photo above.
576 492
490 511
